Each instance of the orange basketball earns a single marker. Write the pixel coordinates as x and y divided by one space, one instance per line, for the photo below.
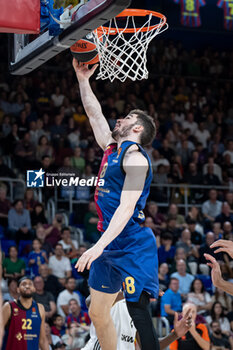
84 50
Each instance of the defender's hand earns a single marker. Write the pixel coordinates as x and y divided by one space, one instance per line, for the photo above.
82 71
216 274
181 327
224 246
88 257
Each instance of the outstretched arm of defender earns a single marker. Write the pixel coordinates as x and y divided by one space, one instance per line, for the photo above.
92 106
132 189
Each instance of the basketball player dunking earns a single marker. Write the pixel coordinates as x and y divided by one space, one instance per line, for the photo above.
24 321
126 253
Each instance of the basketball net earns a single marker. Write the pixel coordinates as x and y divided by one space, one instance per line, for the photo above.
122 50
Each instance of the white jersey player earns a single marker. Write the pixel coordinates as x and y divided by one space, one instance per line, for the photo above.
126 332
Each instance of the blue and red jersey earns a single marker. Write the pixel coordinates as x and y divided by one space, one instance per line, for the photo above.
227 6
190 12
23 330
107 197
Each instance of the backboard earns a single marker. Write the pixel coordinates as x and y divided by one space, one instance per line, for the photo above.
28 52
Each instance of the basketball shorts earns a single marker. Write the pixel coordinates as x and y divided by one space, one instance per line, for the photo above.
130 263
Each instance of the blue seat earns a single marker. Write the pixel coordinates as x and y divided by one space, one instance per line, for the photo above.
24 247
6 244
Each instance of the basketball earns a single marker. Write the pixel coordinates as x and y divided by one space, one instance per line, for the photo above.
84 50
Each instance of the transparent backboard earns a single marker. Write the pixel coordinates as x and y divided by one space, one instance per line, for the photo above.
28 52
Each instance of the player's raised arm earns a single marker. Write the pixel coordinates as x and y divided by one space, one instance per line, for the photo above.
43 342
91 105
132 189
216 275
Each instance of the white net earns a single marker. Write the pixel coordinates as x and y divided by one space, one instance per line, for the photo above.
122 55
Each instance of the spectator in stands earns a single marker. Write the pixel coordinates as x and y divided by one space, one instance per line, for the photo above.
36 257
12 293
29 201
158 218
216 168
53 232
4 206
223 298
202 134
38 215
210 178
205 248
25 154
184 278
78 161
199 297
57 130
194 177
5 171
43 297
65 296
196 237
149 223
166 251
58 328
217 338
69 245
41 235
171 301
163 277
180 255
43 148
77 315
11 140
196 338
174 212
90 223
229 150
171 229
190 250
52 338
227 230
225 215
217 314
211 208
51 282
75 337
59 264
19 222
13 267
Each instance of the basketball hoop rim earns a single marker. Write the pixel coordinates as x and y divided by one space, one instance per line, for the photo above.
137 13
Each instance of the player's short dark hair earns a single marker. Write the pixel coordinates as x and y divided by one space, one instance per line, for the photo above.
23 279
149 132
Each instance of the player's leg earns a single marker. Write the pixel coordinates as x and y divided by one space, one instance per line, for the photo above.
99 311
139 312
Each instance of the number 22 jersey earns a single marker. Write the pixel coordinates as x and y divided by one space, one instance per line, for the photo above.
23 331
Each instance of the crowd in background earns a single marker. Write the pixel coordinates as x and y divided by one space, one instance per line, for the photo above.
43 125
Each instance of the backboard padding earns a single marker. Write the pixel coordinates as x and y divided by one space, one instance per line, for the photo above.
89 17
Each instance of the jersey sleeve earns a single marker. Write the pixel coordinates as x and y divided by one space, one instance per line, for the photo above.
205 333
